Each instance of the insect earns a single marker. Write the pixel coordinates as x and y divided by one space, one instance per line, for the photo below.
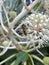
25 29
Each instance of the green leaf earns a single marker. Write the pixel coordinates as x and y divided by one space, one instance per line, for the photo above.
21 57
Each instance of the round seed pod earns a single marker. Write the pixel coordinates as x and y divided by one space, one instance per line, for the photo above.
5 43
13 14
7 8
46 60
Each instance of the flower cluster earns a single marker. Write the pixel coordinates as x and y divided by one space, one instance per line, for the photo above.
34 29
39 25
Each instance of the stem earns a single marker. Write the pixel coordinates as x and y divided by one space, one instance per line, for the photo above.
31 59
37 58
25 63
23 13
7 59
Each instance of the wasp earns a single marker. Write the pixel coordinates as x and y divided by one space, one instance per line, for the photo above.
25 29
